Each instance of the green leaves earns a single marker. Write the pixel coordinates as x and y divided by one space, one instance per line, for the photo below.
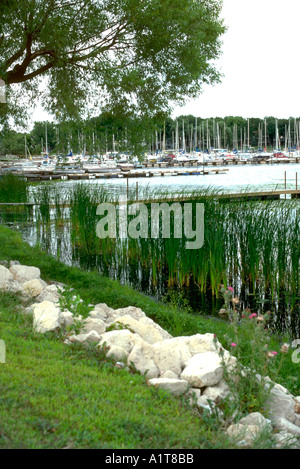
146 53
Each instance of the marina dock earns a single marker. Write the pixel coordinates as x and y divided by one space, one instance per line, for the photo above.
98 174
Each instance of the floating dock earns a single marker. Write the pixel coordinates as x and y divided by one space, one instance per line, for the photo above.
77 176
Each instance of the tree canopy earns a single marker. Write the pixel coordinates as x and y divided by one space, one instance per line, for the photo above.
130 55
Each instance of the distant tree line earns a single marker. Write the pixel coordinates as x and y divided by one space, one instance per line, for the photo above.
110 133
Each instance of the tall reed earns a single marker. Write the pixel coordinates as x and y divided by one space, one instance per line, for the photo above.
253 246
13 188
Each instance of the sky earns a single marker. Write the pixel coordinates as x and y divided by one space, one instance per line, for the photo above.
260 63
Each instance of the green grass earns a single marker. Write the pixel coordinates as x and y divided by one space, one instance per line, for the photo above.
54 396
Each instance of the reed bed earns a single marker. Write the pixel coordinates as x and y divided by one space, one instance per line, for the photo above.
252 246
13 188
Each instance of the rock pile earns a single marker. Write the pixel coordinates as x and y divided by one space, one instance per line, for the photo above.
182 365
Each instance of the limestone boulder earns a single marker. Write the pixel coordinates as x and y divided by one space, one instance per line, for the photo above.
280 403
46 317
285 440
98 314
149 322
6 277
66 319
174 386
168 374
142 358
285 425
49 293
147 332
93 324
135 313
200 343
217 392
203 369
120 338
244 435
256 418
117 353
24 273
34 288
89 337
171 354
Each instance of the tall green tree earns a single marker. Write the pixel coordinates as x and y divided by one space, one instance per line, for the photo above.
128 55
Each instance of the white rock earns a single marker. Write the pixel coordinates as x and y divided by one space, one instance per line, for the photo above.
286 440
90 337
280 403
122 338
147 332
67 319
24 273
175 386
50 293
117 353
149 322
33 287
135 313
285 425
46 317
256 418
200 343
203 369
243 434
14 287
5 277
98 314
168 374
203 402
142 357
297 420
93 324
171 354
217 392
104 307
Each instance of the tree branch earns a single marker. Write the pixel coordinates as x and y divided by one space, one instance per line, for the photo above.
21 78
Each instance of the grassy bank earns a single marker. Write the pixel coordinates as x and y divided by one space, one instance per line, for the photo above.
56 396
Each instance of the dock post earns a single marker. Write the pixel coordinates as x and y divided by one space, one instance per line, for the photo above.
285 183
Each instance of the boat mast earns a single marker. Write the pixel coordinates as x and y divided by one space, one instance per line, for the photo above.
46 140
266 134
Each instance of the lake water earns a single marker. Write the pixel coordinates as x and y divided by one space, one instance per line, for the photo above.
237 178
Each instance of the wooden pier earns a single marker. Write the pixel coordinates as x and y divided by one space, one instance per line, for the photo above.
73 176
257 195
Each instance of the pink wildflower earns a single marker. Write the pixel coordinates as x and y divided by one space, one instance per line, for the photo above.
274 353
253 315
230 289
233 344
